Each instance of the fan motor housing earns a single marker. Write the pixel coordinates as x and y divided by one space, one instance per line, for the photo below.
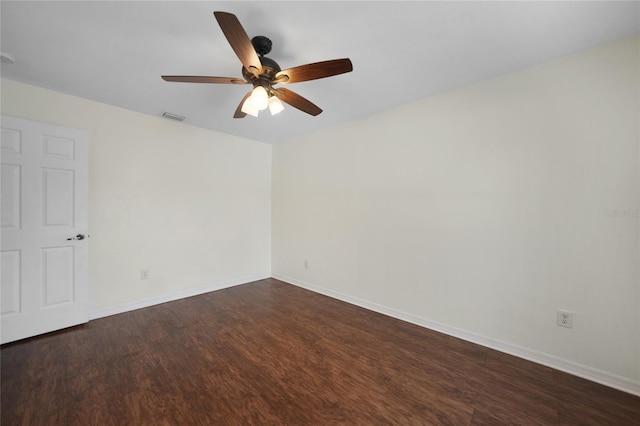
269 69
269 63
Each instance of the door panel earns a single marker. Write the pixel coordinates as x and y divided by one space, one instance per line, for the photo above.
44 202
57 203
10 282
56 147
11 140
57 275
11 192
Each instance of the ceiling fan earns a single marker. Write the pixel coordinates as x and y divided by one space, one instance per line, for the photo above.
264 73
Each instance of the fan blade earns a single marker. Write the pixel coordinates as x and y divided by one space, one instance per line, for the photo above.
297 101
314 71
239 41
203 79
239 113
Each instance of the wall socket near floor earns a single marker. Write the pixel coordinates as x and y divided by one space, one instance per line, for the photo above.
306 264
144 274
565 318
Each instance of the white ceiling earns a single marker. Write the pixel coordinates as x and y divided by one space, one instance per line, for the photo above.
114 52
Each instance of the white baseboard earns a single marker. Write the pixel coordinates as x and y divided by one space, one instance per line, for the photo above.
101 313
598 376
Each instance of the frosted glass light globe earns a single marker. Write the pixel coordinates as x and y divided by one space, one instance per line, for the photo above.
275 106
260 98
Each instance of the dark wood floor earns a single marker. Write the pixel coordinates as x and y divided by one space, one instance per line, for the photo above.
271 353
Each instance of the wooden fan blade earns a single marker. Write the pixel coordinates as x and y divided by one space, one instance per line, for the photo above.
203 79
239 41
239 113
314 71
297 101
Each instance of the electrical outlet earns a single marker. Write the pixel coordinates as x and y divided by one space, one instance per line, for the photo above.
144 274
565 318
306 264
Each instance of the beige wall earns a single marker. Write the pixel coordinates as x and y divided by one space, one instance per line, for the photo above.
479 212
483 211
191 205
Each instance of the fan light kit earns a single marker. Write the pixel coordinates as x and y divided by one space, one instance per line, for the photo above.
259 100
264 73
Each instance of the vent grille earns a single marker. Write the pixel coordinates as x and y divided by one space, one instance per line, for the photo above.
171 116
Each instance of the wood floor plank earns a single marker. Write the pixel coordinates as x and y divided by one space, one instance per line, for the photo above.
271 353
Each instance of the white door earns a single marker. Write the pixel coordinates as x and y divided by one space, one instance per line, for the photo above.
44 193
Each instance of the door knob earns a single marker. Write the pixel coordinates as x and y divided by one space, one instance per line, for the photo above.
77 237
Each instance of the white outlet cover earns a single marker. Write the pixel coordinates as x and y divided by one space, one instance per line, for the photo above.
564 318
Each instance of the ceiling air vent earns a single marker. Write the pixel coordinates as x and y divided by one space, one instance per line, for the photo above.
175 117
